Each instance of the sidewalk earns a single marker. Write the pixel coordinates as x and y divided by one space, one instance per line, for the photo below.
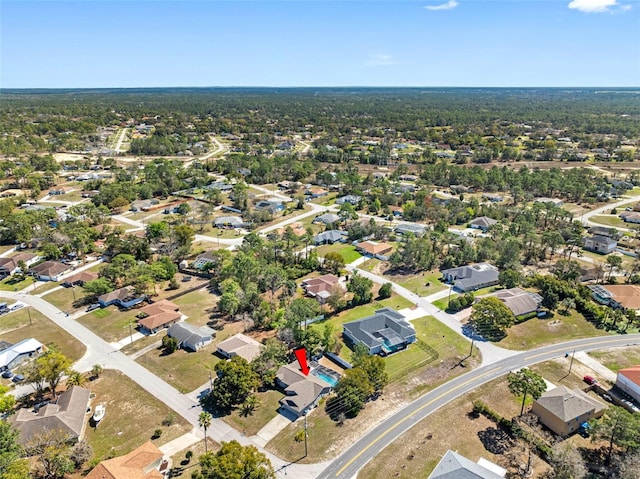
596 365
271 430
183 442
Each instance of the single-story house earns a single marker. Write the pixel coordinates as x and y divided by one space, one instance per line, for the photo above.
240 345
302 392
327 218
471 277
493 198
604 231
630 217
191 337
563 410
272 206
519 301
68 414
628 381
384 332
316 192
60 190
482 223
407 177
9 265
202 260
410 228
124 298
297 229
375 249
322 287
15 354
228 222
330 237
455 466
145 462
352 199
49 270
617 295
218 185
600 244
158 315
79 279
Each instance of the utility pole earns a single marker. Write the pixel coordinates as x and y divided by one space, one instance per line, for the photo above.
210 383
571 363
29 313
471 350
305 435
453 280
130 333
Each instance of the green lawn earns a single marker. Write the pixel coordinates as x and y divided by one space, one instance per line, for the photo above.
348 252
422 284
17 326
608 220
618 358
10 284
132 416
250 425
63 299
109 323
444 302
197 306
539 332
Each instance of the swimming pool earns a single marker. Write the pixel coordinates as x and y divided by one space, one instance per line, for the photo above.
325 377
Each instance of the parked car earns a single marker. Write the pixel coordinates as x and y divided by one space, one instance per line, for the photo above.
93 306
7 374
16 306
18 378
590 380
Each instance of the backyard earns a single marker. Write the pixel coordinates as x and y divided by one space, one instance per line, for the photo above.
249 425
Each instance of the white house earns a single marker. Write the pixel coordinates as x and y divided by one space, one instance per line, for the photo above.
628 380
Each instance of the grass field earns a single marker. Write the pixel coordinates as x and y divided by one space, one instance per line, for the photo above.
251 424
109 323
422 284
539 332
17 326
348 252
10 284
608 220
618 358
197 305
132 416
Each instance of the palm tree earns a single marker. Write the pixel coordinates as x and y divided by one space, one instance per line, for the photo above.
76 379
204 421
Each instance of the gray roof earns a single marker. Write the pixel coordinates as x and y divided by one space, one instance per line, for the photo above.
604 240
67 414
416 229
240 345
331 235
467 277
353 199
483 222
568 404
454 466
301 390
189 334
228 220
384 324
327 218
519 301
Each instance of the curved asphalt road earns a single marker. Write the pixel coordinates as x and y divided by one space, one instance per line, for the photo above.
351 461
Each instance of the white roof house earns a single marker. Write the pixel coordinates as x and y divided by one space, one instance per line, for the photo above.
19 352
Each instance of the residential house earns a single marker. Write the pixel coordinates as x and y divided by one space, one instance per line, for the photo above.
493 198
554 201
563 410
16 354
600 244
482 223
191 337
410 228
303 392
407 177
79 279
272 206
9 265
322 287
219 185
228 222
330 237
471 277
145 462
520 302
124 298
49 270
158 315
67 414
352 199
240 345
628 381
375 249
60 190
316 192
630 217
384 332
605 231
455 466
297 229
625 296
327 218
204 259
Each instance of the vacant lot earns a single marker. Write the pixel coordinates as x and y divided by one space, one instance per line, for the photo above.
539 332
618 358
17 326
251 424
182 468
110 323
347 251
132 416
422 284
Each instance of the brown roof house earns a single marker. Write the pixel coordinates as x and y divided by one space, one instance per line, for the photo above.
625 296
49 270
124 298
79 279
304 392
9 266
322 287
145 462
377 250
68 414
158 315
240 345
563 410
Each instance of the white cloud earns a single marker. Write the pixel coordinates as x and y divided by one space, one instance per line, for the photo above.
443 6
380 60
598 6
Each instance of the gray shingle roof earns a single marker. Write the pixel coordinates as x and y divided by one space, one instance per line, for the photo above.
327 218
568 404
384 324
454 466
330 236
188 334
470 276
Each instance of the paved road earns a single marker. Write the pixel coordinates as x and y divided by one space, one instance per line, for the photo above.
348 464
123 134
609 206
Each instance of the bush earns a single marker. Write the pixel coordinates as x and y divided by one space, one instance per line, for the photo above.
385 291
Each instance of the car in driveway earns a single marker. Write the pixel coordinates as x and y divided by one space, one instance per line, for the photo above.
93 306
18 378
590 380
7 374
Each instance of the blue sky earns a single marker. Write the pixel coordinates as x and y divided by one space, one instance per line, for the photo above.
319 43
